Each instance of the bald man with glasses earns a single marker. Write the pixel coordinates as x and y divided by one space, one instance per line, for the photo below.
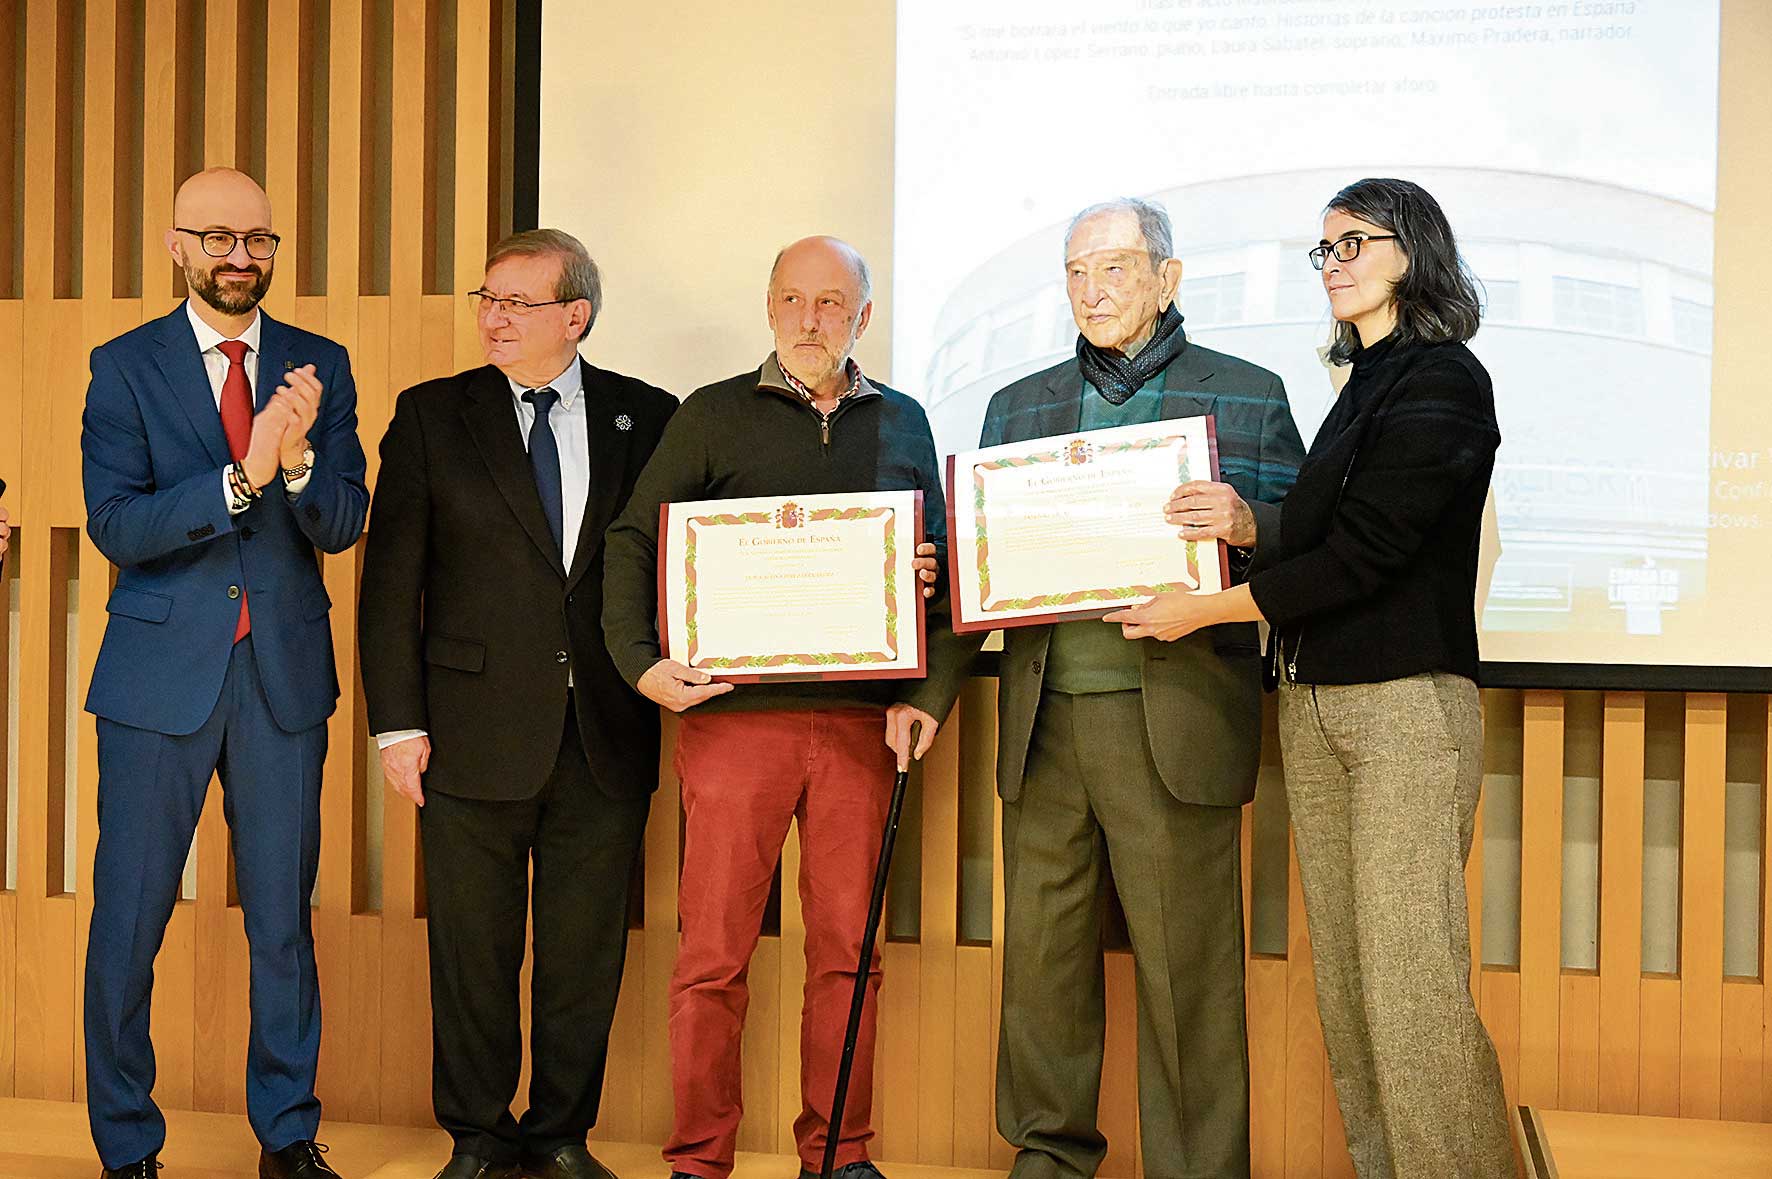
220 458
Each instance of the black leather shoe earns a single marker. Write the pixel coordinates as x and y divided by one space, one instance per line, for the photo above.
571 1161
298 1160
142 1169
862 1170
470 1166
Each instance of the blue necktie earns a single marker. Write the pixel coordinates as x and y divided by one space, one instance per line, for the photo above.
544 460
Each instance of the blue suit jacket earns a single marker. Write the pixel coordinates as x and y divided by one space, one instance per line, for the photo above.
153 451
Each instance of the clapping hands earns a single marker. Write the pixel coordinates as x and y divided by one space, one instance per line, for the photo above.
280 429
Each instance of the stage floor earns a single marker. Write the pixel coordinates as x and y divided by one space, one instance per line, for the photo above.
1560 1144
50 1140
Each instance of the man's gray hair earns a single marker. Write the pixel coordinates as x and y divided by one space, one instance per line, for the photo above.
579 276
864 278
1153 222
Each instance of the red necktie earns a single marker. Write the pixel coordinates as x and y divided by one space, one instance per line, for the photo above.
236 416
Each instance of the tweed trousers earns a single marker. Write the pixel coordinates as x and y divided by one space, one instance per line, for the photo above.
1383 780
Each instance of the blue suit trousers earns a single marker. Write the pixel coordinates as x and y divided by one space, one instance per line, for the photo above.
150 792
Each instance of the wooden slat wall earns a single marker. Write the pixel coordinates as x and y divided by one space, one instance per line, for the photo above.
1694 1043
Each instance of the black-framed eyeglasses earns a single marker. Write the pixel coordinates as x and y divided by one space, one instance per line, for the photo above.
219 243
1345 249
486 302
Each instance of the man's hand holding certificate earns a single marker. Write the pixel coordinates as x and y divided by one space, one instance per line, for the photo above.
815 586
1075 526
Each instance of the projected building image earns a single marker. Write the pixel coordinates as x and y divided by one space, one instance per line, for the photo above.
1597 332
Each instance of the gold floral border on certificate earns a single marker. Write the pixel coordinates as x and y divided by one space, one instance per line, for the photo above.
1076 452
823 660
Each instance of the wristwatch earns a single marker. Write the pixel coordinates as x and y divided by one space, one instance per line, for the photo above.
291 474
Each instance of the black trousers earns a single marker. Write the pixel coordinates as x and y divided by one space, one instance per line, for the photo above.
479 854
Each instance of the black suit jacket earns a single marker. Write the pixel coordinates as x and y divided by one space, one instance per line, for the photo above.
468 624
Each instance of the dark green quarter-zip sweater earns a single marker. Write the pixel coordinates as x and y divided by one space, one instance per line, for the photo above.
752 435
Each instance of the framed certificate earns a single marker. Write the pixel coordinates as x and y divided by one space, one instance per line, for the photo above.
801 587
1072 526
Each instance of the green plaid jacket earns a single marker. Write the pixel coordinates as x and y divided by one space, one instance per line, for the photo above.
1202 694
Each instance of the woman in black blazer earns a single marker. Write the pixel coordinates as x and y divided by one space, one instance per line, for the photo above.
1369 587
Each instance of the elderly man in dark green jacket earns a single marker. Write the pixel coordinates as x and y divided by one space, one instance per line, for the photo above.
1127 761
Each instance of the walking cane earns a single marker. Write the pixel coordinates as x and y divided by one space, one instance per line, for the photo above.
834 1129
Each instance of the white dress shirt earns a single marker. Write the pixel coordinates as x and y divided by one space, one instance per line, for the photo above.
570 421
215 366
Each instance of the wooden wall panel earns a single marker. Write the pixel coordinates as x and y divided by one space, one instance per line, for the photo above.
663 855
1501 1015
939 940
1658 1076
1744 1029
12 411
1701 908
283 151
1693 1043
41 1070
1306 1061
473 169
975 1080
1578 1051
1621 900
1266 986
1541 878
1765 974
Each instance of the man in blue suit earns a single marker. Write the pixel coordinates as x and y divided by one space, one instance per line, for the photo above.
220 452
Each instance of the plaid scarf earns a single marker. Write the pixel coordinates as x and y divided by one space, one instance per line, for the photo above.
799 386
1119 377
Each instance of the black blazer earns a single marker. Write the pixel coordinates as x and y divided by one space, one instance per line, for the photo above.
1373 574
467 622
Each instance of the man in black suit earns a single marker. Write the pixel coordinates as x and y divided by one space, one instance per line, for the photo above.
498 711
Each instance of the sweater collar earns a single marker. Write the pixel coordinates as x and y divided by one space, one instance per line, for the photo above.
771 377
1368 358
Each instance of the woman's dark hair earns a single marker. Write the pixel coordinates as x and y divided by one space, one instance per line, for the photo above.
1436 298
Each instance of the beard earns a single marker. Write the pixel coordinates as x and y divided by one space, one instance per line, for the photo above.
813 370
232 299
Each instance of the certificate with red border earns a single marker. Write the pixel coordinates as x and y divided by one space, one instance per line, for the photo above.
793 587
1072 526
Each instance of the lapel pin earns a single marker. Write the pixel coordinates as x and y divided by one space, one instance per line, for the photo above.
289 366
623 422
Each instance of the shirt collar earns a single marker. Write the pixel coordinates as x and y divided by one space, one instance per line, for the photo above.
773 376
569 384
208 337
